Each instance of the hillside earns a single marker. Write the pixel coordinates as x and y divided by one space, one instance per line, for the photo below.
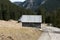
9 10
50 10
52 4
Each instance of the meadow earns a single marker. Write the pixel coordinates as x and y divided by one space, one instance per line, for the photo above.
11 30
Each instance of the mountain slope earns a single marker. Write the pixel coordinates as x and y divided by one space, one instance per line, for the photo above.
31 4
34 4
52 4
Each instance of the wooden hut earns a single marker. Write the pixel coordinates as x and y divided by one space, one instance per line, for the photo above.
31 20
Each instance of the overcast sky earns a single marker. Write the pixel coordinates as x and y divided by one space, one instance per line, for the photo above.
17 0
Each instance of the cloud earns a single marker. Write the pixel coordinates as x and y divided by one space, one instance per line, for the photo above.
17 0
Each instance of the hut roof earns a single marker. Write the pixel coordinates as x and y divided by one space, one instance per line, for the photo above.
31 18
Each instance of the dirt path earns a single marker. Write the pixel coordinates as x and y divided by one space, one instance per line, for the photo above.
44 36
50 33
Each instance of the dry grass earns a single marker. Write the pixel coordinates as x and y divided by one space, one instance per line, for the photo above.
11 30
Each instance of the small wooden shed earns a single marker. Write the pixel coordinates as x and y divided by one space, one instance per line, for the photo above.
31 20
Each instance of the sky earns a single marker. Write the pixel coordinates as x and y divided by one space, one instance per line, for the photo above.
17 0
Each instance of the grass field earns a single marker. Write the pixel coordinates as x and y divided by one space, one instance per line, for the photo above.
11 30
